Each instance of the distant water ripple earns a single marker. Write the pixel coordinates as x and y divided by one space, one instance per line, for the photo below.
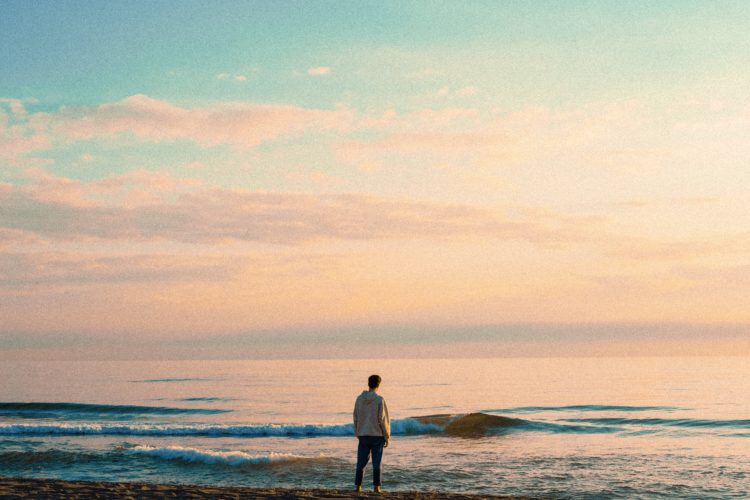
34 410
591 408
670 422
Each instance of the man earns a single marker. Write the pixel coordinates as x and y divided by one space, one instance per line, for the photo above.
372 426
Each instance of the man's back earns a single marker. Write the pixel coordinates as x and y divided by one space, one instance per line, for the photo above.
371 415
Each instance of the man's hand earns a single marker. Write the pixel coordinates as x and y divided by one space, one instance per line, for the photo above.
386 444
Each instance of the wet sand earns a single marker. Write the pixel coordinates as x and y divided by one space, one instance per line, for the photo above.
51 488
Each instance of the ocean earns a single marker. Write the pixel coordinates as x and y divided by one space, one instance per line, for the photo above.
569 427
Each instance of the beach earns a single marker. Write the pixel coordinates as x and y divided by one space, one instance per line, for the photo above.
52 488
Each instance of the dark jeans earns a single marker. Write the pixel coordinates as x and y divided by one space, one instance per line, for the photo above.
367 445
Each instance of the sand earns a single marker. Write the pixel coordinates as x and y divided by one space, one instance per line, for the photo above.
52 488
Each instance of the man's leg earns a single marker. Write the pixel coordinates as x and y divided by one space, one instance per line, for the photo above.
363 455
377 455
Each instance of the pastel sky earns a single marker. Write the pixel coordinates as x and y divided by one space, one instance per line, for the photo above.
432 178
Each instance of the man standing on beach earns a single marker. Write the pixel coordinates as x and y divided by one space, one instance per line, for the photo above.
372 426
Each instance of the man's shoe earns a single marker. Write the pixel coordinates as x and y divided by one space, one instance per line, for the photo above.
359 489
377 489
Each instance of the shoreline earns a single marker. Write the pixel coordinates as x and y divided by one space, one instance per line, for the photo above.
19 487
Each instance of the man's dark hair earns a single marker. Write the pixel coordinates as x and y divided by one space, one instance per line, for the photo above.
373 382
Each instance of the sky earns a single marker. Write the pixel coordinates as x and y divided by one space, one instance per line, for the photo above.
312 179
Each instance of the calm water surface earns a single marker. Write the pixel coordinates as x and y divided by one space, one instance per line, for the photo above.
582 428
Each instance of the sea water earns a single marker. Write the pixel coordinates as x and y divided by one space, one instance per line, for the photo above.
575 428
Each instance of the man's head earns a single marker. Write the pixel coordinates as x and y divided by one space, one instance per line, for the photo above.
373 382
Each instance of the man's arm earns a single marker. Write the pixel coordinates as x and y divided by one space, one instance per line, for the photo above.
355 418
385 421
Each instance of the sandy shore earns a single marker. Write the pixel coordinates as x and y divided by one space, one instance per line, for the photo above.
51 488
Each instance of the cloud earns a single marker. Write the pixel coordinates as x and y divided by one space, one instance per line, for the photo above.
238 124
686 249
533 136
17 239
397 341
467 91
19 139
422 74
661 203
68 268
688 292
459 137
319 71
228 76
175 289
721 279
62 209
136 187
16 107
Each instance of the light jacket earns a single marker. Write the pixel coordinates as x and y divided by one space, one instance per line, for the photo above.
371 416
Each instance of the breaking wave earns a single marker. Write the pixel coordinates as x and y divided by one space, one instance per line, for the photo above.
33 458
402 427
468 425
210 457
461 425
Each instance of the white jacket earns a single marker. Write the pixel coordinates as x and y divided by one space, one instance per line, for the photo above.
371 416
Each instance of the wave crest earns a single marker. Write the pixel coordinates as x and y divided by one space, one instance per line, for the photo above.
471 424
454 425
464 425
210 457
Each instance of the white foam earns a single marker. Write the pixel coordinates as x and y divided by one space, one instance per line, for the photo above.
403 426
411 426
177 430
215 457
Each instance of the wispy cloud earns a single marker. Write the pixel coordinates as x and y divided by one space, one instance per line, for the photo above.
148 119
319 71
467 91
683 250
16 239
18 138
62 209
15 106
133 188
69 268
229 76
461 137
422 74
667 202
